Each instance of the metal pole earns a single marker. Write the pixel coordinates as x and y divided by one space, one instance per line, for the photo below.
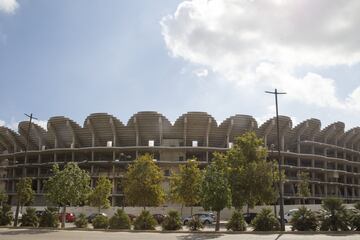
281 211
23 173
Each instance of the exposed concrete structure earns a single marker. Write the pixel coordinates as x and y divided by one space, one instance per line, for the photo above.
104 146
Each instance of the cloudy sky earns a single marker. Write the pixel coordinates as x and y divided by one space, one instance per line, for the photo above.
73 58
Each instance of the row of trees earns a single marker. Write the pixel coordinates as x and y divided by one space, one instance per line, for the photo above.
241 176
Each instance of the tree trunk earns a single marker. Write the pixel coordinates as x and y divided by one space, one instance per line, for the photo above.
217 227
63 217
17 213
248 209
191 210
99 209
182 206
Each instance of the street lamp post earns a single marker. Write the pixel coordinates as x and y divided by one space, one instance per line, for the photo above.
23 167
273 173
281 211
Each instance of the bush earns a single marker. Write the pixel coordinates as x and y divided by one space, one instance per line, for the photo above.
172 221
355 217
145 221
195 224
334 216
265 221
100 221
29 219
5 215
81 221
237 222
304 220
49 218
120 220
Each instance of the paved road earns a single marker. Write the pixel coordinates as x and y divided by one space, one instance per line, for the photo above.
31 234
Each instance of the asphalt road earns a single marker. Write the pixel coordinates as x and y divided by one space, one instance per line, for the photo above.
36 234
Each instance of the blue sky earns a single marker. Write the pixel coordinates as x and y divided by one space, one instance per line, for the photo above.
74 58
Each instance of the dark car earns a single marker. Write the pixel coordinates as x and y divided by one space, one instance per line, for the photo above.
91 217
159 217
249 217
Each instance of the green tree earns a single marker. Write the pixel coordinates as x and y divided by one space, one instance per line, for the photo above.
25 195
99 197
251 177
185 186
142 183
303 186
3 197
67 187
215 190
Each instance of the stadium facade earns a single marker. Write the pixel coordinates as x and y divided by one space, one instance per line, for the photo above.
104 146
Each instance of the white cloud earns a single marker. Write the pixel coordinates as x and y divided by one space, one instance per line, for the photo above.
201 72
2 123
8 6
262 43
41 123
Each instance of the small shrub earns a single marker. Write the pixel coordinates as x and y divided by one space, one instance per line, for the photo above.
237 222
49 218
334 216
265 221
5 215
81 221
145 221
120 220
29 219
304 220
172 221
100 221
195 224
355 218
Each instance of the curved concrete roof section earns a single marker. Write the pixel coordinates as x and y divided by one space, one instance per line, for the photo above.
102 129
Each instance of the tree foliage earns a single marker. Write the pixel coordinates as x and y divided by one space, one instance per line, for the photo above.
142 183
120 220
145 221
67 187
172 221
29 219
24 191
185 186
99 196
303 186
3 197
304 220
251 177
334 216
5 215
265 221
237 222
215 190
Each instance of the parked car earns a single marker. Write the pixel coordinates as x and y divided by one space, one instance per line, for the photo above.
39 213
205 218
91 217
159 217
69 217
288 216
249 217
132 217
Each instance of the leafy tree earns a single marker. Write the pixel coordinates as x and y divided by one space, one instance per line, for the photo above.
172 221
334 216
251 177
142 183
29 219
100 221
237 222
49 218
81 221
67 187
3 197
145 221
304 220
215 190
99 197
303 186
120 220
25 195
265 221
185 186
5 215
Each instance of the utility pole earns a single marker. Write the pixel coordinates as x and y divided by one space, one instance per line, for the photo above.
31 117
281 190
